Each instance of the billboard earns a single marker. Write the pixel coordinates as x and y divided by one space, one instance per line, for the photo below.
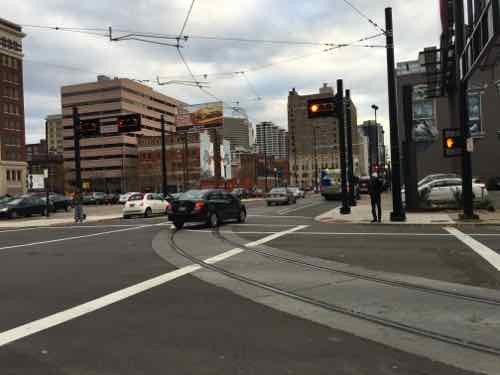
425 130
200 116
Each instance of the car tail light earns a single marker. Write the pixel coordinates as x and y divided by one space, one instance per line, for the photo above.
199 205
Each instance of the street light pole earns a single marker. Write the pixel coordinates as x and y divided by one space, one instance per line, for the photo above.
163 159
350 169
315 145
345 209
398 213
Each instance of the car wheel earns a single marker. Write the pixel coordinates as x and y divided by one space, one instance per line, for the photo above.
148 212
42 212
213 220
126 216
13 215
242 217
178 224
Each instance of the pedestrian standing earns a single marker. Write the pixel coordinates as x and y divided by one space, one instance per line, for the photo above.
375 188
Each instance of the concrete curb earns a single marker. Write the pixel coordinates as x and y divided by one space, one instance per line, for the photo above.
50 222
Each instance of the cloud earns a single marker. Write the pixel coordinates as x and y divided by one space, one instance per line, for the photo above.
54 59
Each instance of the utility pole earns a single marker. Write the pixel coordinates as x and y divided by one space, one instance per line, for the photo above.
78 171
47 193
350 159
345 209
398 213
163 159
186 161
315 145
461 87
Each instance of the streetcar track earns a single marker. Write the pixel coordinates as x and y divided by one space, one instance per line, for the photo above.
362 276
476 346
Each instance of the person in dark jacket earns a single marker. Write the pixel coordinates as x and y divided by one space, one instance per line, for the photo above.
375 189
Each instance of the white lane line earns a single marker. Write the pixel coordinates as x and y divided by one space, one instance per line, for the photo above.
50 321
288 210
282 217
485 252
78 237
262 225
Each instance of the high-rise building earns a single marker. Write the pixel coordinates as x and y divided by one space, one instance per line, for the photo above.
55 134
109 163
271 140
375 136
313 143
237 131
12 134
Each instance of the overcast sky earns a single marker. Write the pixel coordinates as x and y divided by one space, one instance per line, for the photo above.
56 58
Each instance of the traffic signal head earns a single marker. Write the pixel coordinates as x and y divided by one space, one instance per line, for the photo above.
450 143
324 107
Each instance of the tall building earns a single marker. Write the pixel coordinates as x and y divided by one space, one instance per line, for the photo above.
109 163
237 131
432 114
12 134
55 134
375 136
271 140
313 143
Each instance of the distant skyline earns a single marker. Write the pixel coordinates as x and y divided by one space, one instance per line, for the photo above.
57 58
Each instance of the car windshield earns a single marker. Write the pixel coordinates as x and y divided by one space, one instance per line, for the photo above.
192 195
136 197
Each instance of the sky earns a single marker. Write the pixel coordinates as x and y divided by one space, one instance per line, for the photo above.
57 58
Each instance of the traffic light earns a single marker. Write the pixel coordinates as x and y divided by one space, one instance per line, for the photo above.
452 143
324 107
129 123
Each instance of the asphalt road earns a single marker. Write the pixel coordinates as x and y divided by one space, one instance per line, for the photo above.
188 321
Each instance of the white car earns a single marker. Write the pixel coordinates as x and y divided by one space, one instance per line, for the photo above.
297 192
444 190
145 205
124 197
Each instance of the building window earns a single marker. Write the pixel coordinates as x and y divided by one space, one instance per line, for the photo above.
18 175
8 175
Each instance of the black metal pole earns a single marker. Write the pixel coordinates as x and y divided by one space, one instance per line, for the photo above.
350 159
163 159
265 167
47 194
78 171
467 198
186 162
398 213
315 145
345 209
410 152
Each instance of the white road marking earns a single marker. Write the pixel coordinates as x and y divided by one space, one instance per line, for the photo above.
288 210
50 321
262 225
78 237
485 252
282 217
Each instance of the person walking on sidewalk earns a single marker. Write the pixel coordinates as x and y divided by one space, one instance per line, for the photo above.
375 188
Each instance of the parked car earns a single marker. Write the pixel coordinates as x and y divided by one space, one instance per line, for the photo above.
206 206
297 192
111 198
438 176
280 196
444 190
493 183
59 202
124 197
23 206
6 198
145 205
241 193
94 198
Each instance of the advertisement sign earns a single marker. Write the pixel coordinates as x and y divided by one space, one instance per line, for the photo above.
200 116
36 181
424 123
474 112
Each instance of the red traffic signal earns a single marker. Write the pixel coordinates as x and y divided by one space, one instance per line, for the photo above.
324 107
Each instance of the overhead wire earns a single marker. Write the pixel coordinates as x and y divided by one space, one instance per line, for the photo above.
186 19
364 15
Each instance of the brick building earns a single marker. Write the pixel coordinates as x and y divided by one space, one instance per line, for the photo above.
12 132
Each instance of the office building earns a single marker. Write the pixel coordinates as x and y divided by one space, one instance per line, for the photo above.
39 160
237 131
12 133
432 114
314 143
55 134
109 163
271 141
375 137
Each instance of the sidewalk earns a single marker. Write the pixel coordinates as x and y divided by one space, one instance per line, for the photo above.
361 214
94 214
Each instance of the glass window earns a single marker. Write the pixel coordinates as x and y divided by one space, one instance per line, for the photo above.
8 175
18 175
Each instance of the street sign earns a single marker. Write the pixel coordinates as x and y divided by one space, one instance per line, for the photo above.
452 143
324 107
